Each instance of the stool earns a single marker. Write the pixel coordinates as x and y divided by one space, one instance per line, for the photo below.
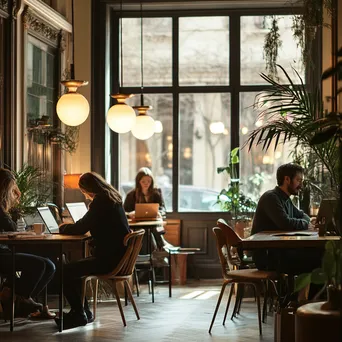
314 324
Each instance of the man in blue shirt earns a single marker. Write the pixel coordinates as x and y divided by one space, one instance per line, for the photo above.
275 211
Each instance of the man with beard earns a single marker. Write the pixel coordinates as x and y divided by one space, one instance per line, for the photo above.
275 211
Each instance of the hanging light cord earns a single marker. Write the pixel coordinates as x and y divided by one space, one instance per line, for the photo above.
121 50
72 65
142 54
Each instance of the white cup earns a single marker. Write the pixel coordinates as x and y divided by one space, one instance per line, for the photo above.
39 228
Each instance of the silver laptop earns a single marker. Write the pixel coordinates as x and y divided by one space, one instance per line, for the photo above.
77 210
146 211
49 220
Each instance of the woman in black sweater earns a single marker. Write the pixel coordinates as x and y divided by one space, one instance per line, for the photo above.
107 223
36 271
145 192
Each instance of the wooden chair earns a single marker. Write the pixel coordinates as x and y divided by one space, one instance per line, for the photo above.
121 274
224 242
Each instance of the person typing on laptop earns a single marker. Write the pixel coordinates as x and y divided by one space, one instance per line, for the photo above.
146 192
107 223
276 212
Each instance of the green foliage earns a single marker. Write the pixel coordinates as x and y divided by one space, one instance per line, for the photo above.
232 199
290 114
35 190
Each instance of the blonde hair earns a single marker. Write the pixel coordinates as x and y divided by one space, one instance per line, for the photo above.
7 181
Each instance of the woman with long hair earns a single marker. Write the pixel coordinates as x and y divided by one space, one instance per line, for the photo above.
35 271
146 192
107 223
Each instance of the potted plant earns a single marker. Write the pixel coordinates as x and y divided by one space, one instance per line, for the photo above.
35 191
233 199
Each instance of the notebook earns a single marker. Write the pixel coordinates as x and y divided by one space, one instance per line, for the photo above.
77 210
146 211
49 220
296 234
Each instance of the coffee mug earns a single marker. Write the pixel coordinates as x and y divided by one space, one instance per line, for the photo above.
39 228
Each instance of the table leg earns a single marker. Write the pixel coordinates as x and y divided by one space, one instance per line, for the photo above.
13 289
170 275
61 288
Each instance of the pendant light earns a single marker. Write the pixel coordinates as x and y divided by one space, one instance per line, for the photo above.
144 126
72 108
121 117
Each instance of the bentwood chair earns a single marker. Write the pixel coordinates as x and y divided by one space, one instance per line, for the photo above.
121 274
250 276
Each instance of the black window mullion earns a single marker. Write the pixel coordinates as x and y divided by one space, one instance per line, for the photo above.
234 66
175 140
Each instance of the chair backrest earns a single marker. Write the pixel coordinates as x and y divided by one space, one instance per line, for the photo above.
232 238
223 251
133 241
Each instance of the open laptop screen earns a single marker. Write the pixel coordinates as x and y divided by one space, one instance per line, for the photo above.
77 210
145 211
48 219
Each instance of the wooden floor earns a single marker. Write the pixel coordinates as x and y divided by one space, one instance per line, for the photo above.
184 317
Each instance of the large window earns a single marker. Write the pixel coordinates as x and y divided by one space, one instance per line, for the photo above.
202 90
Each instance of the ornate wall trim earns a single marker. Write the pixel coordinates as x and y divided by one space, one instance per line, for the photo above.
48 14
4 5
32 22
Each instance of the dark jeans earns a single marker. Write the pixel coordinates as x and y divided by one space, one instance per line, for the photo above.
75 270
36 272
290 261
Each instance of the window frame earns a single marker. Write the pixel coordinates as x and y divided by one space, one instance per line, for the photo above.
235 88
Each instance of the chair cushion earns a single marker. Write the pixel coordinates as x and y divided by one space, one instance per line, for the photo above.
251 274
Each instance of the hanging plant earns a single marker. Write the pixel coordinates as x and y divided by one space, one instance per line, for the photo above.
271 47
304 28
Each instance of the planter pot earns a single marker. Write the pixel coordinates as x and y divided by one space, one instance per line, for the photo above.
240 228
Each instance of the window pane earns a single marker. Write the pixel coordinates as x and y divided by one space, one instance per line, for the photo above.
253 32
157 44
257 168
203 51
154 152
203 147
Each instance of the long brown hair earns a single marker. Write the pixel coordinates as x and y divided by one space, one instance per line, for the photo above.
7 180
93 183
144 171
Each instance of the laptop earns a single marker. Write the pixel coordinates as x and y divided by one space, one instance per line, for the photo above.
146 211
327 213
49 220
77 210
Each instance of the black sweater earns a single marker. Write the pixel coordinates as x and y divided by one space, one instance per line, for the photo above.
107 223
275 211
6 225
156 197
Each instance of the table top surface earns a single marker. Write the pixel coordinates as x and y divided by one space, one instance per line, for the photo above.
154 223
17 238
273 239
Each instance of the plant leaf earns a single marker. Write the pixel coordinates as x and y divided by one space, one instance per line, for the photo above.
302 280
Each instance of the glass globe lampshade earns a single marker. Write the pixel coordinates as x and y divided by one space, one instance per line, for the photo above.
121 117
158 126
73 108
144 126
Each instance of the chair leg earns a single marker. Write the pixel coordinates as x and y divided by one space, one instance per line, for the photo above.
264 308
237 299
136 281
257 290
83 290
152 283
126 299
241 298
228 303
115 290
129 292
217 305
95 294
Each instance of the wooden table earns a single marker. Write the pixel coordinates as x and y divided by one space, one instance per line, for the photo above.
268 240
57 240
148 226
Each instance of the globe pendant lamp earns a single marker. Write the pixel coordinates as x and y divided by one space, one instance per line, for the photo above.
121 117
72 108
144 126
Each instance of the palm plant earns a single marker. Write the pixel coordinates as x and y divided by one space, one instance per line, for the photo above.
292 115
